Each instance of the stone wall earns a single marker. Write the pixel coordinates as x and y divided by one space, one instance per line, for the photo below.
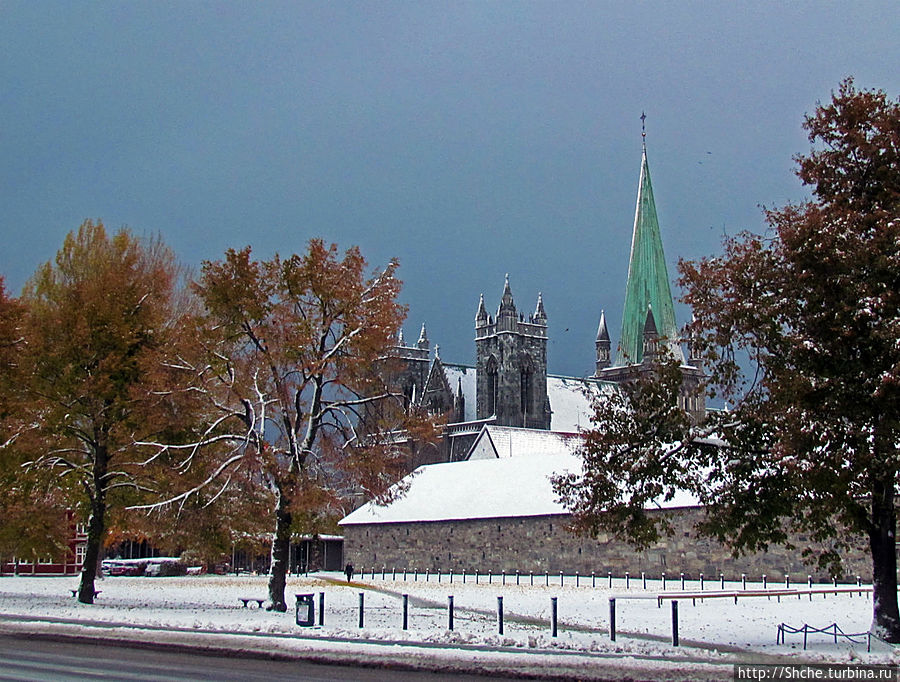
542 544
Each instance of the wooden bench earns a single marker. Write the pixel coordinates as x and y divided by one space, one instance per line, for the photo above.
75 592
246 602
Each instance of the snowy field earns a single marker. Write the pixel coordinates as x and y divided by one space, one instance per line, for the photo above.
715 629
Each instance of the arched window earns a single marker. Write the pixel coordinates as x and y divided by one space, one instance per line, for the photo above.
526 374
492 386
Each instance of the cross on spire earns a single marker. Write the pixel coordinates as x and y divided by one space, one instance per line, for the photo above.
644 129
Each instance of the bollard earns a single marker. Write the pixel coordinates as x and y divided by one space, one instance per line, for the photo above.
722 580
701 582
553 616
765 582
503 574
321 608
490 577
787 581
627 580
476 577
517 577
809 581
743 581
361 598
416 575
531 576
451 576
450 612
612 619
664 580
464 576
394 574
593 579
682 581
427 574
547 578
859 584
383 569
439 576
577 580
609 577
643 580
560 578
405 611
404 575
500 614
674 622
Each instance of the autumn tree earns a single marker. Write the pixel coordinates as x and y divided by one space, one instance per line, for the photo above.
97 320
33 525
289 362
799 331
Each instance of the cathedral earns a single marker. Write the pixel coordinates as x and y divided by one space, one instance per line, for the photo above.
509 384
483 500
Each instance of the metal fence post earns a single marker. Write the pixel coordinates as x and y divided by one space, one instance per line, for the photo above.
553 616
361 598
321 608
500 614
450 611
405 611
612 619
674 622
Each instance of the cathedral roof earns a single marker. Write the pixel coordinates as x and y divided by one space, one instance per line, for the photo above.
507 441
648 280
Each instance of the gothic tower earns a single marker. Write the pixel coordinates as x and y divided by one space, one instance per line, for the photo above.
511 358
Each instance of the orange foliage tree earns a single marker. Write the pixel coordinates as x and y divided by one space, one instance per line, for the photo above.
290 355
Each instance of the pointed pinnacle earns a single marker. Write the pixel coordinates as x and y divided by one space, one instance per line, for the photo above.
481 315
650 324
423 338
540 314
506 302
602 331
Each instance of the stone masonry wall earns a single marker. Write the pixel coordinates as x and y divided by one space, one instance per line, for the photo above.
542 544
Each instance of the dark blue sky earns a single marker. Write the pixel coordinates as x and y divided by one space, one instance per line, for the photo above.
469 139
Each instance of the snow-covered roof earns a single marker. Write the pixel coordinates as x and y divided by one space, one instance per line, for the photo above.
478 489
508 487
465 376
507 441
570 401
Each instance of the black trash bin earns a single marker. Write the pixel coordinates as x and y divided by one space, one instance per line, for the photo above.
306 610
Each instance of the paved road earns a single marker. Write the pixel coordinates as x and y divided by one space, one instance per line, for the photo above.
25 658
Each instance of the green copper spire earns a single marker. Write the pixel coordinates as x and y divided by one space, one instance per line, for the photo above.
648 280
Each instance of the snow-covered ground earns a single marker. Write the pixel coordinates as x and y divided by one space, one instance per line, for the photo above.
716 630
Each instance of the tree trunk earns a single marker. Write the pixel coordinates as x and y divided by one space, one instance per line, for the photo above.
882 538
281 545
96 526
